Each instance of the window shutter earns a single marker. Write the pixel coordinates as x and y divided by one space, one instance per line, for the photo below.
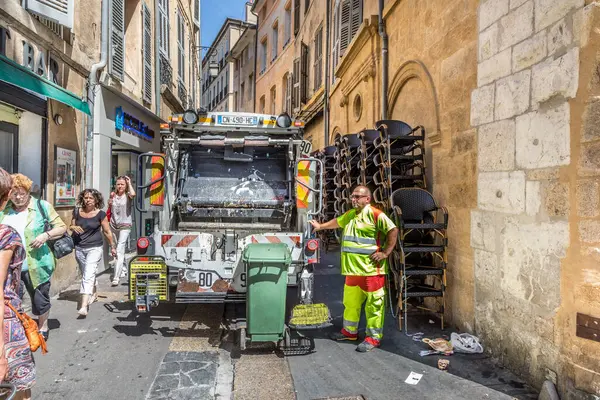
147 49
356 19
304 65
163 9
288 94
335 54
296 85
117 39
344 36
61 11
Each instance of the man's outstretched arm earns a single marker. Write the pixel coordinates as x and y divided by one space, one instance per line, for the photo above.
332 224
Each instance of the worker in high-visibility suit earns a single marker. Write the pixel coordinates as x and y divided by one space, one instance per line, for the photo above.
364 263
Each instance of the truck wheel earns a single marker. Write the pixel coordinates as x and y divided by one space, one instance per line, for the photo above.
242 339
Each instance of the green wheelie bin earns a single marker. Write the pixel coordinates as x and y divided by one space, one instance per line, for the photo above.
267 277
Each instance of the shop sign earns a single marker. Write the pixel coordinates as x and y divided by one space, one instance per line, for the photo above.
65 172
128 123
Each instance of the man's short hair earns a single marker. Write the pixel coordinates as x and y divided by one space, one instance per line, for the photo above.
364 189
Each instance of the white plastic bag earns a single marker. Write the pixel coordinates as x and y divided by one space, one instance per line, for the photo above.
466 343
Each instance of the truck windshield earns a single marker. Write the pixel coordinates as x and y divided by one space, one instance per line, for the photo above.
213 180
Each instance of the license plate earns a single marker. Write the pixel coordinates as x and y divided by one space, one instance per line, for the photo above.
236 120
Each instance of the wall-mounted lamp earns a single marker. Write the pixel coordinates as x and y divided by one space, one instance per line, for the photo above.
58 119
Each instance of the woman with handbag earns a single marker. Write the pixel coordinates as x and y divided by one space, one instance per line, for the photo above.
28 216
88 224
120 205
16 361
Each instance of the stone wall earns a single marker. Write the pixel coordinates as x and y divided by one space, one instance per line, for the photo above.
535 223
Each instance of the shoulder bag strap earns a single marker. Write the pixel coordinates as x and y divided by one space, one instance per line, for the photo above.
42 211
18 314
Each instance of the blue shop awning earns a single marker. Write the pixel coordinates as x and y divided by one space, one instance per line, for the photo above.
18 75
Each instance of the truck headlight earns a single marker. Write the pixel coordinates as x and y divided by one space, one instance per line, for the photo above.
284 120
190 117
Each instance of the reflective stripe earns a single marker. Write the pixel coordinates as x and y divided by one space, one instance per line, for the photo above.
350 324
355 250
375 332
359 240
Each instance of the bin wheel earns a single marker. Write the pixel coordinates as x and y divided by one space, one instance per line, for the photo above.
242 339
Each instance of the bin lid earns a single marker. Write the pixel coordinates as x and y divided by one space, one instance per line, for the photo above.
267 252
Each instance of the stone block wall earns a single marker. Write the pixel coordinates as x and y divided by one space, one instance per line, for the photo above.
535 230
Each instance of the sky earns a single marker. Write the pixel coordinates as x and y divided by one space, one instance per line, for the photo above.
213 14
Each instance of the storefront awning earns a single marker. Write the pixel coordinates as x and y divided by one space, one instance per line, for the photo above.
18 75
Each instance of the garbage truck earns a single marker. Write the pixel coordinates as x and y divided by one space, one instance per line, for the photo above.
226 205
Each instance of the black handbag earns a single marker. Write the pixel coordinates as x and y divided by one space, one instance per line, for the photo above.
62 246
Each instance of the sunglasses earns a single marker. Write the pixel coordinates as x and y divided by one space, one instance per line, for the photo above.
358 196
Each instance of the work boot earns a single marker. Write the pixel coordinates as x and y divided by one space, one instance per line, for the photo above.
343 335
367 345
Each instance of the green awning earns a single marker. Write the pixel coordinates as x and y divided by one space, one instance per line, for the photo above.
18 75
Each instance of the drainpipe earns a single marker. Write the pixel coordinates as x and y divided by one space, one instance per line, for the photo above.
384 63
157 58
327 83
255 59
88 138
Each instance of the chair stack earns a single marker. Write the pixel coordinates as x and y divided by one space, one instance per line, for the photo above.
399 159
327 155
342 179
420 262
350 152
368 169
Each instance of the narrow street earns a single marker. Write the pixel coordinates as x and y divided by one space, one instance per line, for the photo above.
185 352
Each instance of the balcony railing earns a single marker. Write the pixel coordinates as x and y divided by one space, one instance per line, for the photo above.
166 72
182 93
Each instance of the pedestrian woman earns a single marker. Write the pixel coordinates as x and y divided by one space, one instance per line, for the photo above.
16 361
26 215
88 224
120 220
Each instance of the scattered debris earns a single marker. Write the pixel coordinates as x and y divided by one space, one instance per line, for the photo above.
431 321
81 330
413 378
466 343
417 337
443 364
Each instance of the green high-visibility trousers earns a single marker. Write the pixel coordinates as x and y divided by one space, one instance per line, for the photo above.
371 291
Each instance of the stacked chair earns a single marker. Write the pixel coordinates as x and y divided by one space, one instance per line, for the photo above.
390 161
327 155
420 261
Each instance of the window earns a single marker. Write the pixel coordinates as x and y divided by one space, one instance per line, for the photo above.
306 6
263 55
242 94
180 45
9 146
261 108
243 57
296 16
348 18
251 86
288 24
163 15
286 84
318 67
116 67
296 84
147 54
275 40
273 100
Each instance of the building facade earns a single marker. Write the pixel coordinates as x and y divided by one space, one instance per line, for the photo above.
506 94
242 57
152 72
80 94
291 61
218 68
